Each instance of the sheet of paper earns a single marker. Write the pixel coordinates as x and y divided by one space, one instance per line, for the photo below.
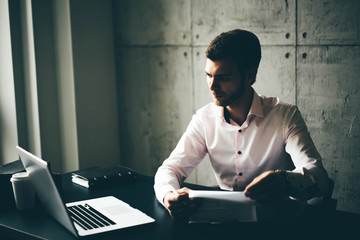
223 207
221 195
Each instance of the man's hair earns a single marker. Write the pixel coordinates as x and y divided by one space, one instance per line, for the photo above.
243 46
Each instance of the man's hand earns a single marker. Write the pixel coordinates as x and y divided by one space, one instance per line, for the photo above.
268 186
178 204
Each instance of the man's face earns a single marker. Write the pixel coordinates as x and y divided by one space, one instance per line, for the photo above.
225 82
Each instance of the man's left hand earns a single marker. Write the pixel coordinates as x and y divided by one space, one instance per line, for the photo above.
268 186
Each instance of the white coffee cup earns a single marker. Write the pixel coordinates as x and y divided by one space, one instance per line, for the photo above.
24 192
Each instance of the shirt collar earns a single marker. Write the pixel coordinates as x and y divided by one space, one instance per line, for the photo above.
256 106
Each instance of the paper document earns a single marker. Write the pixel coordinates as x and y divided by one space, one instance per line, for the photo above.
221 195
222 207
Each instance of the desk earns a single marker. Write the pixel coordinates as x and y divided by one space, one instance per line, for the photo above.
273 221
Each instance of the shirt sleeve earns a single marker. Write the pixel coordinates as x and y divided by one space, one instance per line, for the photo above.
309 178
188 153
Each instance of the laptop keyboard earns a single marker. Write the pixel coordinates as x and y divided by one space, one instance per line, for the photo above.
88 218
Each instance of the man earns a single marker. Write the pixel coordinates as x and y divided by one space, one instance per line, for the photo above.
256 144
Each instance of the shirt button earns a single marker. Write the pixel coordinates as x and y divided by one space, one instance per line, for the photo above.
239 152
240 131
240 173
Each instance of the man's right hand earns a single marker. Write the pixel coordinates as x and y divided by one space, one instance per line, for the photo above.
178 204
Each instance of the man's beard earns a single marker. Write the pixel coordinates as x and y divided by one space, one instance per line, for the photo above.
226 100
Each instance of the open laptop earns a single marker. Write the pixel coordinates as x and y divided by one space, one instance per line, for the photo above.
81 218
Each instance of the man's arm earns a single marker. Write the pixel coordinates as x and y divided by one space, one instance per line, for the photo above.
309 178
188 153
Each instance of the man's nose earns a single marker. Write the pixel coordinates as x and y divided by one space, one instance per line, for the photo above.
212 83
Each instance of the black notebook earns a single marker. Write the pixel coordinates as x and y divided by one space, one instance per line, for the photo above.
102 177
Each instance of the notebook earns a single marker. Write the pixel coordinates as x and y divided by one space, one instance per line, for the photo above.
81 218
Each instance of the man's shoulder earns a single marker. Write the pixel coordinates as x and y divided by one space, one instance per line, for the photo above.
271 104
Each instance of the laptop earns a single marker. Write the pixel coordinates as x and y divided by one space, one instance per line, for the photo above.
81 218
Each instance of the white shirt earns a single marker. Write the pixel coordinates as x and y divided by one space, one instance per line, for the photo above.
273 136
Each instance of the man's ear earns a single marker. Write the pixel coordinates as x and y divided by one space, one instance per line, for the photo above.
251 75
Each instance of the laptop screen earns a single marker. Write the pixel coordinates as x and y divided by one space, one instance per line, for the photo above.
41 178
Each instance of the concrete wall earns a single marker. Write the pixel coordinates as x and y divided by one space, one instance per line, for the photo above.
310 58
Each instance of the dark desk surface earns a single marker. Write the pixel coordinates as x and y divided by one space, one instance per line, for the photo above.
292 220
